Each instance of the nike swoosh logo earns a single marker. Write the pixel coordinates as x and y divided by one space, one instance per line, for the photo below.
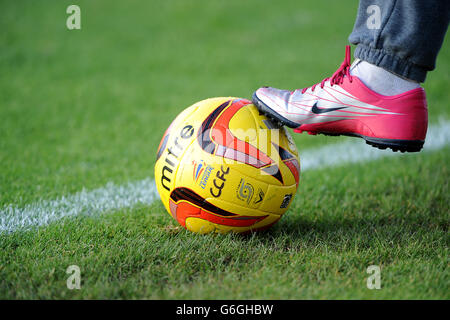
315 109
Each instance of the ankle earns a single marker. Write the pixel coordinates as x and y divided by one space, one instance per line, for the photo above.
380 80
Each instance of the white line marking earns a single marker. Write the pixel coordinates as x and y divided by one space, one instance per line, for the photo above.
115 197
357 150
109 198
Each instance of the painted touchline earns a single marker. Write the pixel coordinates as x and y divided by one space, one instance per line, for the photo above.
113 197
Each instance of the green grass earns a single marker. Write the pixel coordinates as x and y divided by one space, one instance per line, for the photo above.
320 249
81 108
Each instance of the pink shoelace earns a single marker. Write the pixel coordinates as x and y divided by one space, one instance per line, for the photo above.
338 76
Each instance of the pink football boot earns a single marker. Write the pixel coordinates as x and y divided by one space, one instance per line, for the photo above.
343 105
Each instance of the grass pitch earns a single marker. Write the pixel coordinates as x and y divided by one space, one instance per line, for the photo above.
82 108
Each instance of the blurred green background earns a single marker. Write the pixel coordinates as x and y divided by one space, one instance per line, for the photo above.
81 108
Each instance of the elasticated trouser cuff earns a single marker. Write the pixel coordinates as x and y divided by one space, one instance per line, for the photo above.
390 62
401 36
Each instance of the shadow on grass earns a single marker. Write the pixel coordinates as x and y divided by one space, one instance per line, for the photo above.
364 231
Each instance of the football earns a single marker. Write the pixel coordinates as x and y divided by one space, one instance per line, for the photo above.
222 166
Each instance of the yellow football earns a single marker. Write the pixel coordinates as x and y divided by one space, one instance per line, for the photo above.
223 166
